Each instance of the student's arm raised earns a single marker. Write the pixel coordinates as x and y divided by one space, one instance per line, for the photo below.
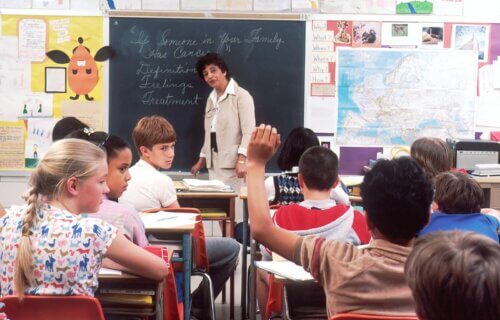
123 252
263 144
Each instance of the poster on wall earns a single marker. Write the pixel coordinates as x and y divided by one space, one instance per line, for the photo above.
358 6
366 34
414 7
39 140
51 4
472 37
11 145
432 35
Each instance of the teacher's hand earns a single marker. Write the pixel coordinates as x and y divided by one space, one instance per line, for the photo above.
241 169
241 166
198 166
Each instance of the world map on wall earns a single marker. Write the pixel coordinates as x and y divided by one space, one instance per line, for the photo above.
393 96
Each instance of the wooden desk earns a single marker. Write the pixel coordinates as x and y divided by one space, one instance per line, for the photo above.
124 282
174 233
218 201
491 188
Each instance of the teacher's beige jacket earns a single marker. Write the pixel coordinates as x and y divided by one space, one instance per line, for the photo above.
235 122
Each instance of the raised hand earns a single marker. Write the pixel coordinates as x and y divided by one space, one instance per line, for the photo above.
263 144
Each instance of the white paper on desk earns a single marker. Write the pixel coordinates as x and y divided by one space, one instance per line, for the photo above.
108 272
285 269
205 185
167 220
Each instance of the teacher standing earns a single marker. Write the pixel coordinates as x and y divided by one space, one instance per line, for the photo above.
229 121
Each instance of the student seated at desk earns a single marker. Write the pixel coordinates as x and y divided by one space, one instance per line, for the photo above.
317 214
434 157
154 138
65 126
119 157
46 247
396 197
459 199
455 275
285 188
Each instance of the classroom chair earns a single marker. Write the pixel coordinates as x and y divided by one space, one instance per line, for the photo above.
52 308
356 316
200 258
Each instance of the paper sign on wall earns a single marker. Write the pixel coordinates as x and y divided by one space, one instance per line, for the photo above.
32 39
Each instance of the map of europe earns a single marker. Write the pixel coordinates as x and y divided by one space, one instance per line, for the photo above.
393 96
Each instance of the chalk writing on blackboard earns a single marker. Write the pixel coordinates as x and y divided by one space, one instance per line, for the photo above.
164 57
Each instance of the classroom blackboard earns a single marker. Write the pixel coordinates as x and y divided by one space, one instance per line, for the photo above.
152 72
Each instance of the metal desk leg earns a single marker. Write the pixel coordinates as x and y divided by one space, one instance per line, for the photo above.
252 296
186 257
245 237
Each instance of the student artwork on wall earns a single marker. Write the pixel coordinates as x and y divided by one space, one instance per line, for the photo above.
400 34
271 5
234 5
414 7
160 5
32 39
12 145
51 4
358 6
83 74
366 34
36 105
472 37
432 35
33 87
39 140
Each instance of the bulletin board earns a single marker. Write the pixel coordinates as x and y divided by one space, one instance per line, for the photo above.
36 91
375 85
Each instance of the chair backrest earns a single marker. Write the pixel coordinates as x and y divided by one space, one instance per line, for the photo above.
201 258
356 316
52 308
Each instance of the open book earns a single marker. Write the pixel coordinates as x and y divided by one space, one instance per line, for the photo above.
206 185
285 269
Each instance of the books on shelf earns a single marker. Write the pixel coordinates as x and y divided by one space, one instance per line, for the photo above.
121 298
206 185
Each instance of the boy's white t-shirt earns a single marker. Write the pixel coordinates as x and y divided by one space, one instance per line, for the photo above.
148 188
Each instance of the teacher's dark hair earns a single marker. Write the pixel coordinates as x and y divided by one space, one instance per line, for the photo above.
212 58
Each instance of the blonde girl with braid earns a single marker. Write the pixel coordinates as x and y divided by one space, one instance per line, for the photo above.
46 248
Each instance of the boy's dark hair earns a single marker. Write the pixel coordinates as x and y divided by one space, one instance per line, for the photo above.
65 126
109 142
433 155
152 130
458 193
297 142
319 168
455 275
397 197
211 58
